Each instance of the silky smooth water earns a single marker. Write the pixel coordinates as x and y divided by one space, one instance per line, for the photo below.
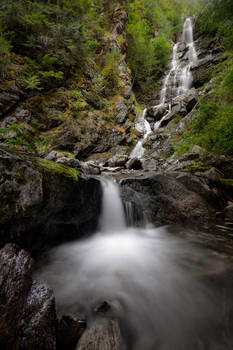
144 127
152 278
179 78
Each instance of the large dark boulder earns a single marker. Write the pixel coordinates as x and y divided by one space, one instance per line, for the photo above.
44 203
27 307
172 197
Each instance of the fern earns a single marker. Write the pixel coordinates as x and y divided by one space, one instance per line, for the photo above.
32 82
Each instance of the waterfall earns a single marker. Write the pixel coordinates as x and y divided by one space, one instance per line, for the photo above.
112 215
179 77
144 127
176 82
147 275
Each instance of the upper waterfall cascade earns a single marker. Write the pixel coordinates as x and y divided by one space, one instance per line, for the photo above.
176 82
179 78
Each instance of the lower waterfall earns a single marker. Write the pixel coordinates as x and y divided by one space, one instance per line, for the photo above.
150 277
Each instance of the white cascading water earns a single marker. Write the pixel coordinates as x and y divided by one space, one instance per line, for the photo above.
144 127
179 78
111 205
149 277
177 81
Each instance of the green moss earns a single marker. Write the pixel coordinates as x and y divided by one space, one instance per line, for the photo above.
198 167
227 183
60 169
19 176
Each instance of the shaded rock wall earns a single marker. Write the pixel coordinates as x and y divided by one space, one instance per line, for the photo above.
41 207
173 197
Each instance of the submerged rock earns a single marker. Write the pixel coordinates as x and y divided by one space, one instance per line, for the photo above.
103 336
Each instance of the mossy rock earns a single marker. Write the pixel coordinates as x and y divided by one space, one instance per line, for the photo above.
198 167
227 183
57 168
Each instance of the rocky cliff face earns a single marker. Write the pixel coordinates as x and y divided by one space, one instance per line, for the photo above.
86 117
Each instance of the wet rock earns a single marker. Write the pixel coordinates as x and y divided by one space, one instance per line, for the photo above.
103 307
166 120
103 336
15 284
110 308
69 330
183 104
174 197
118 160
180 105
156 112
27 307
134 163
37 326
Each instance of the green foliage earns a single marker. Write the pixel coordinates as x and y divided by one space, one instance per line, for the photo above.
150 26
32 82
215 18
110 71
212 129
20 137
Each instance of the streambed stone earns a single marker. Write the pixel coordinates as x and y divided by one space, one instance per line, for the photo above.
104 335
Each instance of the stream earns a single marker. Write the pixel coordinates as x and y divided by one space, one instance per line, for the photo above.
162 288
